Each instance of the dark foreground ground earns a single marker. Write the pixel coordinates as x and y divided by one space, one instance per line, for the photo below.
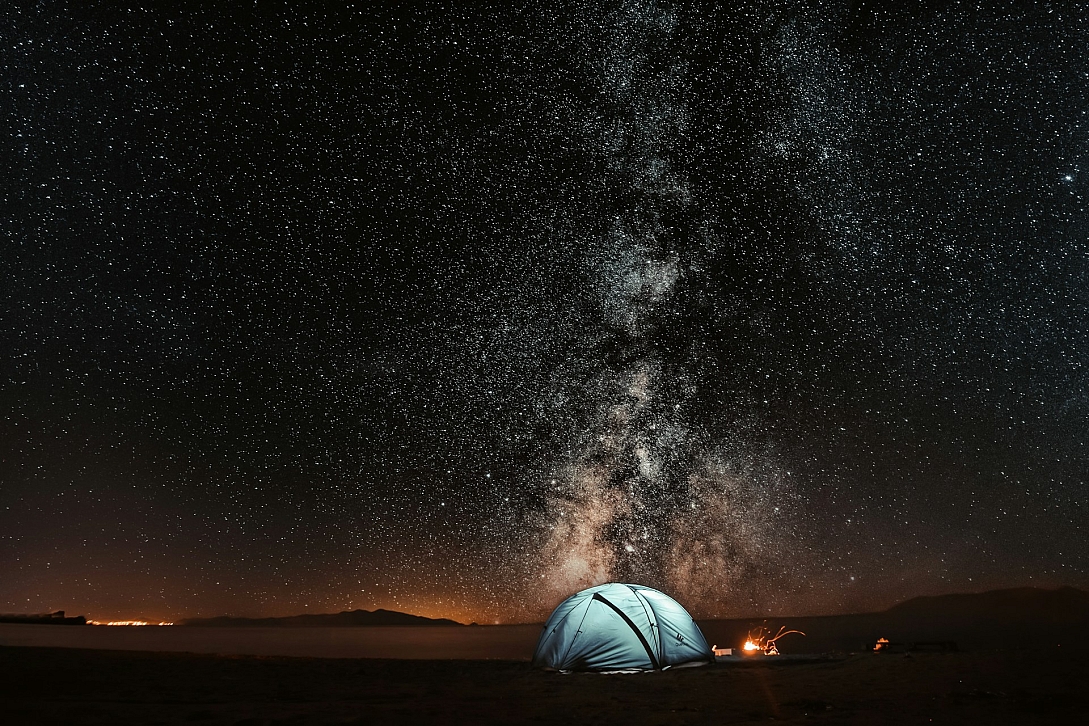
59 685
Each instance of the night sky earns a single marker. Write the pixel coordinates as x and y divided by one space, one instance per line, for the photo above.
780 307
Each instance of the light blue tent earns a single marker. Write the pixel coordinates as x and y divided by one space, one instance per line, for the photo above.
619 627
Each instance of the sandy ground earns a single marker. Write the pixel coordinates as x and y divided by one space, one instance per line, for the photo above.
82 686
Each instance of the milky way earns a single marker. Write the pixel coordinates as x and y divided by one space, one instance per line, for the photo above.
648 494
776 306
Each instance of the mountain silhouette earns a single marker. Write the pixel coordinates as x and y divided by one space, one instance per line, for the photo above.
348 618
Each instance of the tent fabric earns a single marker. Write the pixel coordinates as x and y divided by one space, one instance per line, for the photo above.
618 626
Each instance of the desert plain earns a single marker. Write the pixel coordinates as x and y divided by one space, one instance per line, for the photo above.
85 686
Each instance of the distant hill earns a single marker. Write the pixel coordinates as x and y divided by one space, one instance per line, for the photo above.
1000 619
346 619
1015 603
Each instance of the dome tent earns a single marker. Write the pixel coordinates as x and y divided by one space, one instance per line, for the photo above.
617 627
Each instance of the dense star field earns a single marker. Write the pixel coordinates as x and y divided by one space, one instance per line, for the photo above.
780 307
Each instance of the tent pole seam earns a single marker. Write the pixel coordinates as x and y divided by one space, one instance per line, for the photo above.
571 645
650 653
565 616
652 617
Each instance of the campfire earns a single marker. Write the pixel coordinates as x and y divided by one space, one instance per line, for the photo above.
761 640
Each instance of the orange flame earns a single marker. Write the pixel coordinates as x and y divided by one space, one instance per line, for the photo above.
760 640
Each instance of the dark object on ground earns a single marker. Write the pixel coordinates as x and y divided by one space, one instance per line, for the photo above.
922 646
933 646
348 618
56 618
886 646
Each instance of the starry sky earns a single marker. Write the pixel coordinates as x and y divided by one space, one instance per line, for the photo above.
780 307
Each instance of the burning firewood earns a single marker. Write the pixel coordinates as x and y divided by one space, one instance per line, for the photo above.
762 640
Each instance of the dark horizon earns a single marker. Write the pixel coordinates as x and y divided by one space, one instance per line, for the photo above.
1035 594
779 306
